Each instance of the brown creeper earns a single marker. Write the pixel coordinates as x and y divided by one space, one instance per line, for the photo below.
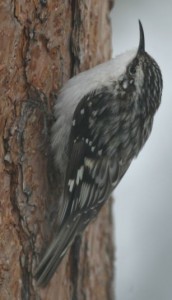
104 116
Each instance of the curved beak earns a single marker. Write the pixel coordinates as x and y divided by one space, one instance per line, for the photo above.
141 47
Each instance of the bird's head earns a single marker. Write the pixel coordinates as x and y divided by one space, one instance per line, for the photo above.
142 79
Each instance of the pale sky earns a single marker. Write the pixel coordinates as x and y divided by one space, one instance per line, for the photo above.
143 208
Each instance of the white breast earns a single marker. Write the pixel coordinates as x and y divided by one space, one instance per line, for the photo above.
73 91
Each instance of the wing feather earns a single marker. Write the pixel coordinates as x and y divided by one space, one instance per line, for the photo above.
91 174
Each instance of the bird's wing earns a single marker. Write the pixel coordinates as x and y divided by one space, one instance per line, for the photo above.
94 169
91 173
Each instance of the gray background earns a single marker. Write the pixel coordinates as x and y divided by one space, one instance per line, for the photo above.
143 207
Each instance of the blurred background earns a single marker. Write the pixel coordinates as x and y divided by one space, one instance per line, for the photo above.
143 207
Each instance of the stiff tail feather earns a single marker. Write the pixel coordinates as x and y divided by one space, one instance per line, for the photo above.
56 251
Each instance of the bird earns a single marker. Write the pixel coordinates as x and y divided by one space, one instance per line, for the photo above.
103 118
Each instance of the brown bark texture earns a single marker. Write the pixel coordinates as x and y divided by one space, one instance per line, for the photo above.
42 44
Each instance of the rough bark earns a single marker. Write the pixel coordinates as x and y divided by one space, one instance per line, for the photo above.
42 44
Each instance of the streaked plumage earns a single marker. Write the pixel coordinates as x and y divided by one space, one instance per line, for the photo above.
103 118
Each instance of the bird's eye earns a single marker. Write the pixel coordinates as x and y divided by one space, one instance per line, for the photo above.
132 70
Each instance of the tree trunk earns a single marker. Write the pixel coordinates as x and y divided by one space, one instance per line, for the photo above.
44 43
